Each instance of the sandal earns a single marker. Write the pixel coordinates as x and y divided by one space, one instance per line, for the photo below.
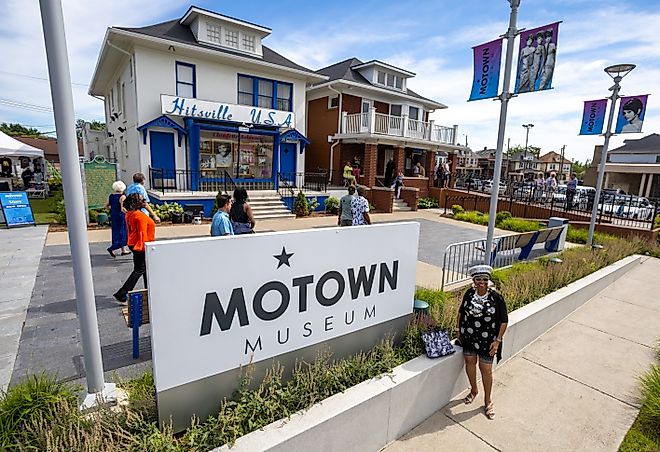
470 398
490 411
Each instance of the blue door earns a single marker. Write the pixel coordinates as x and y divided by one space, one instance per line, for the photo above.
162 159
288 161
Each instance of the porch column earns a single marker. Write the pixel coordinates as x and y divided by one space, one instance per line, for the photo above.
641 185
650 184
429 166
607 180
369 164
399 159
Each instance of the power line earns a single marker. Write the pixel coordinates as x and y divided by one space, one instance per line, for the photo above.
15 74
25 106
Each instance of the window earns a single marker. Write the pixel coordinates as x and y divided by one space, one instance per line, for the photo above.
390 79
123 95
112 100
381 77
118 92
395 110
231 38
185 80
399 83
130 68
657 159
264 93
248 42
333 102
283 97
413 113
245 90
213 33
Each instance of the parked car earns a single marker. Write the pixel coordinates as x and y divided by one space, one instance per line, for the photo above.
488 187
630 207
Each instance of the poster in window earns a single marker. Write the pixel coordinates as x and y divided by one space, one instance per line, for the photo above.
207 161
223 153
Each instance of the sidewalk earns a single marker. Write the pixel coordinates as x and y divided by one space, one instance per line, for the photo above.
574 388
19 259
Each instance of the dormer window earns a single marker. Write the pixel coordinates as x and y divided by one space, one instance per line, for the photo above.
231 38
390 80
381 77
248 43
213 33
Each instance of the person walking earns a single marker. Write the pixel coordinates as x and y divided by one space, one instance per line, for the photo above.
360 208
482 321
571 190
138 187
241 216
221 225
117 219
141 229
345 217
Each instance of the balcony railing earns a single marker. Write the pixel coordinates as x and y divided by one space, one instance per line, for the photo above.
396 126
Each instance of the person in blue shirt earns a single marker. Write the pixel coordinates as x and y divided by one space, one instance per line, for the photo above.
138 187
221 225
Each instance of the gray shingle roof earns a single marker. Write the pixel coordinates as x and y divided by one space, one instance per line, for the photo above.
650 144
172 30
343 71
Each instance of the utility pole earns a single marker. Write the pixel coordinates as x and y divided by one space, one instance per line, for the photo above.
60 88
504 99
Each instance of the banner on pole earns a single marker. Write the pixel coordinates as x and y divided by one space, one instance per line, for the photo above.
536 58
631 114
487 59
593 117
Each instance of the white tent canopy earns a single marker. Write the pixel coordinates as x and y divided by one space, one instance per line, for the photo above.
13 148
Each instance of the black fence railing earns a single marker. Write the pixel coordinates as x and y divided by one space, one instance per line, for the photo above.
290 182
537 199
178 180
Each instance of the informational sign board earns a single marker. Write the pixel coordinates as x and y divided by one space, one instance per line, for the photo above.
16 209
217 304
99 177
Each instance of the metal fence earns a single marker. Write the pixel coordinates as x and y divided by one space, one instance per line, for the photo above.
178 180
617 209
507 250
289 184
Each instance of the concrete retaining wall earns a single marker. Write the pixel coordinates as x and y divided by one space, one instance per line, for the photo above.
370 415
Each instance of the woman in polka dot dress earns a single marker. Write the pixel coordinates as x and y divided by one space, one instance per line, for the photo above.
482 321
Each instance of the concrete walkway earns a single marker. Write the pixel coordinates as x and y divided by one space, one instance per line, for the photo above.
574 388
19 260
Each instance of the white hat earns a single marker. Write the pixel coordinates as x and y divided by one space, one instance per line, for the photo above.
478 270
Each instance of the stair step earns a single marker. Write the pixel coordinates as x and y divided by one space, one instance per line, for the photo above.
401 209
274 216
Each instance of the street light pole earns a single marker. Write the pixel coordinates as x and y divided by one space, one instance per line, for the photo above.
617 72
504 99
60 87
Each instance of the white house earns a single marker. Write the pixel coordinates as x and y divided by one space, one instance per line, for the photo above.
198 101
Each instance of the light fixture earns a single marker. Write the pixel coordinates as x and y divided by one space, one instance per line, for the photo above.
619 70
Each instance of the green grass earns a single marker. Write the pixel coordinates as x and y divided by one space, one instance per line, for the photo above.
644 435
44 209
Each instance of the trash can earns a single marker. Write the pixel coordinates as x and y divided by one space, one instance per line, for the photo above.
557 245
420 307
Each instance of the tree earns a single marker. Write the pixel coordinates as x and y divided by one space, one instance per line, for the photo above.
93 125
16 129
533 150
580 168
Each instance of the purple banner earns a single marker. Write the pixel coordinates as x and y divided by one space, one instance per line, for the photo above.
631 114
486 81
593 117
536 58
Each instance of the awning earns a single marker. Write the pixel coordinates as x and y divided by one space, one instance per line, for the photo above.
162 121
13 148
294 135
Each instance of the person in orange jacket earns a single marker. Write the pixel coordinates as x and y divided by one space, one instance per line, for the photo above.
141 229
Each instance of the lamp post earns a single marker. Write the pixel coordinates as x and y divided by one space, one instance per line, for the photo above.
504 100
527 127
617 72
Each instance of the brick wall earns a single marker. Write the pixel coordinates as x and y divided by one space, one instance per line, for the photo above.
420 183
369 164
321 123
382 107
382 199
351 104
399 159
410 195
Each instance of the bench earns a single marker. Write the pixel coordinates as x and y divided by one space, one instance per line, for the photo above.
135 315
525 242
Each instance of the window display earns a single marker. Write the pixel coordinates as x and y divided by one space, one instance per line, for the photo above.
243 155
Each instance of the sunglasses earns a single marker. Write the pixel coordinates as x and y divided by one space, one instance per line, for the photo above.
480 279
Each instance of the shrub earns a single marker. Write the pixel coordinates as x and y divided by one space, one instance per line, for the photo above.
472 217
656 222
312 204
300 205
331 204
427 203
457 208
501 216
165 210
519 225
649 415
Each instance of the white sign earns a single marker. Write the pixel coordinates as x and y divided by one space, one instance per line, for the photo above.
218 303
219 111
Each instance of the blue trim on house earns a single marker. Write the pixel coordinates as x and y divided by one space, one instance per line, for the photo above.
289 202
208 203
176 77
162 121
294 135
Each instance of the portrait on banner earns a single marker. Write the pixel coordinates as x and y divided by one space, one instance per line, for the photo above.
631 114
537 58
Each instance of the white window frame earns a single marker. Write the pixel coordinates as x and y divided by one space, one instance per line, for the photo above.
378 73
251 40
214 33
400 109
330 99
233 34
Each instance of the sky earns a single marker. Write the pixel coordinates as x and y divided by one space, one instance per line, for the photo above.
433 39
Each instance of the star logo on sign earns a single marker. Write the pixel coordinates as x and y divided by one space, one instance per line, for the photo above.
283 258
